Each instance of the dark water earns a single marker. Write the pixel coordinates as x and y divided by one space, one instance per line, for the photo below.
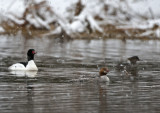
62 83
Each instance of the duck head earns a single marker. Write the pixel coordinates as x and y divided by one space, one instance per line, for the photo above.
133 60
30 54
103 71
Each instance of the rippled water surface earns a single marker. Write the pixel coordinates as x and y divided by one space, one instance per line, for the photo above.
65 81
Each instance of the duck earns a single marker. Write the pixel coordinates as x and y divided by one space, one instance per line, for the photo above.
129 68
132 63
29 65
103 75
133 60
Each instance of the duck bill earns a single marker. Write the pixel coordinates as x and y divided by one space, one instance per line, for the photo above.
34 52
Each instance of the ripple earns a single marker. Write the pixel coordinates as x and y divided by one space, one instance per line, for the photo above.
65 81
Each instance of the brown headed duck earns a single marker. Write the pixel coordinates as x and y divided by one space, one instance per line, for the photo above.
103 75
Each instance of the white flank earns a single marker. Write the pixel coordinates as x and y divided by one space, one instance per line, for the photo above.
103 79
18 66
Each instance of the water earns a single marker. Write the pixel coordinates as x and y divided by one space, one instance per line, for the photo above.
64 82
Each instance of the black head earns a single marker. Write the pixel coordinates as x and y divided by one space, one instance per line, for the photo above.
134 59
30 54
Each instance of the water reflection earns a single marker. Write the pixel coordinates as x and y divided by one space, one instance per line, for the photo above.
30 95
102 99
52 87
19 73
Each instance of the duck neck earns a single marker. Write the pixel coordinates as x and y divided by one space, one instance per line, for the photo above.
30 57
102 75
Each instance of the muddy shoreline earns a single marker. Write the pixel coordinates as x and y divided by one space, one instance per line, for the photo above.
109 32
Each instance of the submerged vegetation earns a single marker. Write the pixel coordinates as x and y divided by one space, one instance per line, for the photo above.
81 19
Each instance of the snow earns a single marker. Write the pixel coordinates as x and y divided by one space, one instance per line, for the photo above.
38 22
77 26
1 29
143 6
61 6
63 14
15 7
11 17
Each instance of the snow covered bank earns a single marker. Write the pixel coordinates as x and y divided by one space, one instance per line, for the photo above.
81 18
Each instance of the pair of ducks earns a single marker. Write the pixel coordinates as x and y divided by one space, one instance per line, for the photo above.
31 66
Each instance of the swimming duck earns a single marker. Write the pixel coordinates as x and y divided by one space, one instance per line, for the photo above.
132 63
103 75
133 60
29 65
